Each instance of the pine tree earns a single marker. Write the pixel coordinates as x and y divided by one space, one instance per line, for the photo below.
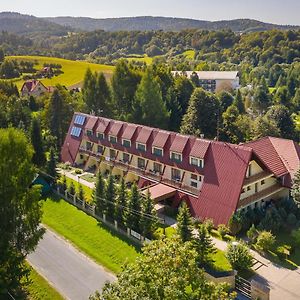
203 245
296 187
239 103
51 165
110 195
148 216
132 215
261 99
149 97
63 183
80 193
184 223
71 189
120 203
99 195
37 143
102 96
89 91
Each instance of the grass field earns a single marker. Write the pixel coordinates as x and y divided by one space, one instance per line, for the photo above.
190 54
148 60
40 289
73 70
90 236
87 191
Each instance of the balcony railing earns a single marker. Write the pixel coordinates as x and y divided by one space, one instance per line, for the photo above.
256 178
260 195
123 165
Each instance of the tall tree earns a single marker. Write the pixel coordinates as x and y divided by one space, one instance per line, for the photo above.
148 219
133 207
37 143
166 270
261 98
103 106
120 202
202 115
99 195
203 245
51 165
110 195
184 223
124 84
225 99
149 98
89 92
239 103
263 126
20 213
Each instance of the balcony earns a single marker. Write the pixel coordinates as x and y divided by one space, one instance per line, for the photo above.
173 182
155 175
121 164
84 150
257 177
260 195
138 171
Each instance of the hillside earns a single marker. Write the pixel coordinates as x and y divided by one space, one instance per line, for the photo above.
73 71
30 25
163 23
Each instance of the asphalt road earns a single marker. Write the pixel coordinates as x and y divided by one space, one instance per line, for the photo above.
74 275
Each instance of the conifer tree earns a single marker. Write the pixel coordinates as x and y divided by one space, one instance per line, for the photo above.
203 245
51 165
132 215
102 96
71 189
120 203
89 91
99 195
37 143
80 193
148 216
64 183
110 195
184 223
239 103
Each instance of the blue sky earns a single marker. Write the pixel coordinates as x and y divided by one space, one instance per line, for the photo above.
276 11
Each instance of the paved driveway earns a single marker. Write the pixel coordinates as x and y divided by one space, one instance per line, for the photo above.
73 274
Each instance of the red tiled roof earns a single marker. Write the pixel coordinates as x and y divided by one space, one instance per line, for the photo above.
102 125
129 131
161 139
91 123
179 143
115 128
144 135
160 191
225 169
199 148
31 85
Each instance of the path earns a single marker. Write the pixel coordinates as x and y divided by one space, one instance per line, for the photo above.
74 275
284 283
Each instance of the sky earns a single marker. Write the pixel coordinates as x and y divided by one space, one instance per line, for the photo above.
274 11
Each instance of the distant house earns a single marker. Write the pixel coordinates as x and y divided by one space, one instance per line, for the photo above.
47 71
214 81
33 88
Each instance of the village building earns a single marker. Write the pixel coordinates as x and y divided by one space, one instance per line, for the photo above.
33 88
216 179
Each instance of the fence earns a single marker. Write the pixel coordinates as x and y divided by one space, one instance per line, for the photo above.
91 210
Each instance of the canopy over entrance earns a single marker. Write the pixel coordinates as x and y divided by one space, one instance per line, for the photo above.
160 192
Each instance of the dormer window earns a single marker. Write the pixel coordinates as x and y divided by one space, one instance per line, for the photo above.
177 157
157 151
112 139
141 147
89 132
100 136
126 143
194 161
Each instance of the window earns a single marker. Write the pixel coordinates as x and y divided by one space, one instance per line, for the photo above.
100 149
249 188
141 147
157 151
89 146
89 132
112 154
262 182
157 168
194 177
176 174
112 139
75 131
127 143
141 163
196 162
176 157
79 120
194 184
100 136
249 170
126 157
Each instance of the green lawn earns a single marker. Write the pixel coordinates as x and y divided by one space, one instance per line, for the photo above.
221 263
145 58
40 289
73 70
87 191
89 177
91 237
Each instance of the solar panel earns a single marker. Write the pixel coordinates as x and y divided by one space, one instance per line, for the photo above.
79 120
75 131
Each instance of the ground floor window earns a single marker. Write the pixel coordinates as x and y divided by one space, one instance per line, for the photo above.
176 174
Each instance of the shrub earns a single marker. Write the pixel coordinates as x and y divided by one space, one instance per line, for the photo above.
296 236
265 240
252 234
209 224
78 171
223 230
282 213
239 256
235 224
291 219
